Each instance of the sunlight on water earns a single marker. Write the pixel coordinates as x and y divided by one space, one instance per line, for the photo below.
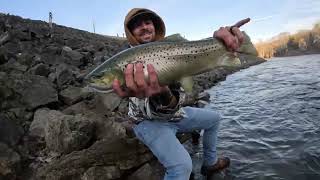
271 120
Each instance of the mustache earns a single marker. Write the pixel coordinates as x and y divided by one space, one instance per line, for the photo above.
144 31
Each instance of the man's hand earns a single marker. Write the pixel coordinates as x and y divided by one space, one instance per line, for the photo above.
231 36
136 84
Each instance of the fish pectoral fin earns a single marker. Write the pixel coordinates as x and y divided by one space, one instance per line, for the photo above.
187 83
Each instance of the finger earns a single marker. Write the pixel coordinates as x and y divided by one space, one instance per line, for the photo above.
128 73
117 88
139 76
239 35
230 41
153 77
235 44
242 22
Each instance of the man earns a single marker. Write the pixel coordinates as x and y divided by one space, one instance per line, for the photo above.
158 110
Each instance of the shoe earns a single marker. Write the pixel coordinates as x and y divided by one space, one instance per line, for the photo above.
221 164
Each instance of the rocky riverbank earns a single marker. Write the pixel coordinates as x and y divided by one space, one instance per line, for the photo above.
49 127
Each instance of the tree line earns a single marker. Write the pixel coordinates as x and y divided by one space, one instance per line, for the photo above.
286 44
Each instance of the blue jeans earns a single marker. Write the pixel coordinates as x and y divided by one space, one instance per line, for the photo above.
160 137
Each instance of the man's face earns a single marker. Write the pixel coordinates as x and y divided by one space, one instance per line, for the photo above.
143 30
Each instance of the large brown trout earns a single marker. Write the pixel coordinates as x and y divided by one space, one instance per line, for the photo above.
171 60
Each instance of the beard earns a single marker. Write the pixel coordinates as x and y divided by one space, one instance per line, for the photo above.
146 36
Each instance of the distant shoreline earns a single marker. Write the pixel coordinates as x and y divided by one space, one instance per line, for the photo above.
268 59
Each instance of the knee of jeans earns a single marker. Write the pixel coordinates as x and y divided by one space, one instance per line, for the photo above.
182 168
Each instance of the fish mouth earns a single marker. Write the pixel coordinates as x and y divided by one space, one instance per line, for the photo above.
99 88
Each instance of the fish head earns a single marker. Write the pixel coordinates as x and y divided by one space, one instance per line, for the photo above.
101 81
229 60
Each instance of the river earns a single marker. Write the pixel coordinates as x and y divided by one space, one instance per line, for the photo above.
271 121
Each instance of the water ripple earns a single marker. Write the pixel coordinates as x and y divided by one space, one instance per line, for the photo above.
271 120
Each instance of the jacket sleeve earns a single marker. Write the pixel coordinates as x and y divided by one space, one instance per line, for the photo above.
180 98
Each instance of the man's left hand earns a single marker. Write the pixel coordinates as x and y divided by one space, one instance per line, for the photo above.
231 35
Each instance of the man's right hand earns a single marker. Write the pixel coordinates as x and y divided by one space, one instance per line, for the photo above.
136 84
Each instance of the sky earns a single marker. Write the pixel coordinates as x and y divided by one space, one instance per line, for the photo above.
192 19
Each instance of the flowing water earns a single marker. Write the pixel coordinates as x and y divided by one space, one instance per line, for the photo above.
271 121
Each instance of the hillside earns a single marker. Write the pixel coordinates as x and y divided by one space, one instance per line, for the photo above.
285 44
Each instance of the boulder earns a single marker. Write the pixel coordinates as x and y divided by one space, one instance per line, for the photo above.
13 66
4 37
40 69
102 173
10 130
143 173
74 57
67 133
3 56
37 91
123 154
72 95
78 108
64 74
9 162
108 102
40 120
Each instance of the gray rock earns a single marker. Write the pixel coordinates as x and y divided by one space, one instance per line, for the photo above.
14 66
78 108
10 130
98 59
89 48
12 48
5 91
40 120
107 128
51 49
52 77
64 74
74 57
54 60
9 162
72 95
26 58
20 34
21 114
74 43
143 173
108 102
37 90
66 133
122 153
66 49
40 69
3 56
5 37
102 173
